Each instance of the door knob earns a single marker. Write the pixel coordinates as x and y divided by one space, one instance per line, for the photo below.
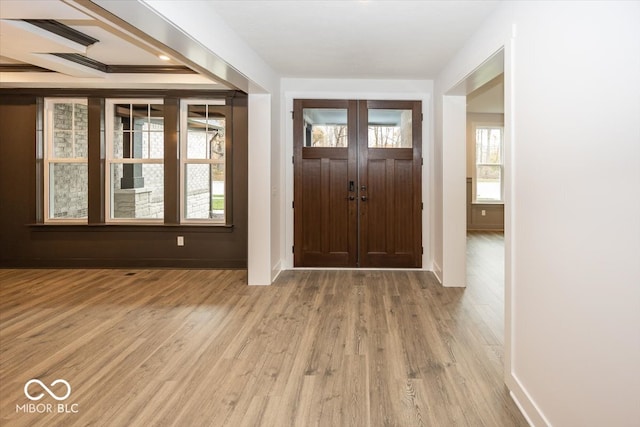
364 198
351 198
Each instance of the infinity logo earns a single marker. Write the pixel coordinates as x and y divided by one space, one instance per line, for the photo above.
52 394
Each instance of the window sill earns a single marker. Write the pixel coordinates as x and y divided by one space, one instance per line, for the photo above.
487 202
154 228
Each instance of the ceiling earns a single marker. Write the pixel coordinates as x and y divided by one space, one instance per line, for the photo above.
488 98
73 48
355 39
304 38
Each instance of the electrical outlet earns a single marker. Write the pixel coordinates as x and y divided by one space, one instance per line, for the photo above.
180 240
483 212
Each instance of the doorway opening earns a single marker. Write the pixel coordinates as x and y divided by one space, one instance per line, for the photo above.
357 183
496 249
485 199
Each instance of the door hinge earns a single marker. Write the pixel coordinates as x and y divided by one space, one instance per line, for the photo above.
293 159
422 160
421 117
422 205
422 250
292 205
292 249
293 115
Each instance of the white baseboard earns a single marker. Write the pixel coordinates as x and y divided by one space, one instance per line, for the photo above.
526 404
275 271
437 271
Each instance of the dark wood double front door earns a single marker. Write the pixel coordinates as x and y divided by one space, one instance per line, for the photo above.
357 183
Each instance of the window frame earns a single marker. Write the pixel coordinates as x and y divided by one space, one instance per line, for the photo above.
487 125
218 104
111 160
47 159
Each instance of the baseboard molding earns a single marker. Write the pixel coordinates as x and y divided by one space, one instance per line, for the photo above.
525 403
437 271
141 263
485 228
275 271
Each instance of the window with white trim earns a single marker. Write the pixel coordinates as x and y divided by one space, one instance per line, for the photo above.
65 157
134 174
489 164
205 149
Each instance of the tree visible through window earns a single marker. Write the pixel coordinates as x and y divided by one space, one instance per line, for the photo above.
329 135
325 127
489 164
390 128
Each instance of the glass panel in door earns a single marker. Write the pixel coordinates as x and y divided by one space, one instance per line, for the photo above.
325 127
390 128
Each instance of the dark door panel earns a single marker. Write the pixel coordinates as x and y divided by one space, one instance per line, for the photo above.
390 160
357 183
325 208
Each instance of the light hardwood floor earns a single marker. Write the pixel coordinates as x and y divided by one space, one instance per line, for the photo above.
200 348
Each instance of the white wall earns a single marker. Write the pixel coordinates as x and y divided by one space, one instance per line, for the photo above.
453 264
572 121
277 188
355 89
258 265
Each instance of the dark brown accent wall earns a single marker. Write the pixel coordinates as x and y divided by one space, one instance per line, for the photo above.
172 166
26 242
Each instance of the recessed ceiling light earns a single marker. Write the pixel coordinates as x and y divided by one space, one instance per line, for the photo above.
164 57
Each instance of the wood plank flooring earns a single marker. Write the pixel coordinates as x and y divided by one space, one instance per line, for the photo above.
200 348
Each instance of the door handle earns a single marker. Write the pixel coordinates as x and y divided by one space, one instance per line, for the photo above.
351 198
364 198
